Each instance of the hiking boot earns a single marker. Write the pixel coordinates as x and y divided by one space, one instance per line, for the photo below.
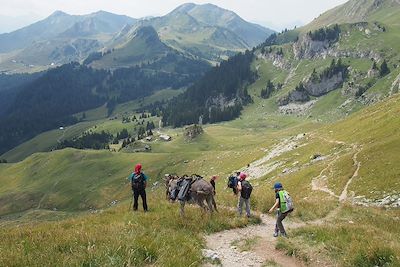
283 235
276 234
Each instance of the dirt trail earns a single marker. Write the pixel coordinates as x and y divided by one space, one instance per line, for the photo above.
223 244
343 195
319 183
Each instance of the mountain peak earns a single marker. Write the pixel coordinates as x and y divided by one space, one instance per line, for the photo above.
58 13
146 31
184 8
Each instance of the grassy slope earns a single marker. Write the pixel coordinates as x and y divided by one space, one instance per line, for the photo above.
95 178
133 53
115 237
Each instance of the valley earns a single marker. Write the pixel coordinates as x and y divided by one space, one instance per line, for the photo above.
316 108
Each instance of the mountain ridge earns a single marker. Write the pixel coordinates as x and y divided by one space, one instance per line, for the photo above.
351 12
185 29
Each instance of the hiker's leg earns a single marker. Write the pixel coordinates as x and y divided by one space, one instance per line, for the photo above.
281 217
247 202
276 232
135 198
240 205
144 199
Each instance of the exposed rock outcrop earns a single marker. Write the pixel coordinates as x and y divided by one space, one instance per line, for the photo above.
221 101
193 131
324 86
294 96
297 109
305 47
277 60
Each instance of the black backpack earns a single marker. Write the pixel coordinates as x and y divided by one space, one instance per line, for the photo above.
137 181
246 190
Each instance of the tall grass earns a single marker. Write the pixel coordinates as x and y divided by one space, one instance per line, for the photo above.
116 237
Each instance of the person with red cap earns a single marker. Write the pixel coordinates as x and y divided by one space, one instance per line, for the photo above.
245 189
139 182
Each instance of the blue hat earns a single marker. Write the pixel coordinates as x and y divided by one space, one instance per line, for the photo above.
278 185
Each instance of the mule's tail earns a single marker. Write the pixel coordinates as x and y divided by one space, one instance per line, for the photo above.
214 203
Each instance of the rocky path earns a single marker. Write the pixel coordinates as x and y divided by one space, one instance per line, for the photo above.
343 195
230 248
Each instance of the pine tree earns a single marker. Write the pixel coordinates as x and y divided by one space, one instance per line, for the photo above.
384 69
374 66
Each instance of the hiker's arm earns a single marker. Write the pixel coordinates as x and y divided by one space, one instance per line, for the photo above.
239 186
129 179
274 206
145 180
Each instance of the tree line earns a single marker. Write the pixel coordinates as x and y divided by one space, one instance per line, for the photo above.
226 83
330 34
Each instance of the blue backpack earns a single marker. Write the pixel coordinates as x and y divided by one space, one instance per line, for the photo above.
232 182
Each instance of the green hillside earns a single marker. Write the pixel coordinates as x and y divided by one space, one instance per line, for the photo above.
356 11
145 46
322 119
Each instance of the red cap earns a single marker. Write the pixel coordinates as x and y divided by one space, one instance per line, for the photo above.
138 168
242 176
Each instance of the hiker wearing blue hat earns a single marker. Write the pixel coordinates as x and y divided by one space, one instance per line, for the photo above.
284 205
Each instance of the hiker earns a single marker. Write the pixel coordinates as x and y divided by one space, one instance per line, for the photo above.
245 189
284 206
212 182
139 182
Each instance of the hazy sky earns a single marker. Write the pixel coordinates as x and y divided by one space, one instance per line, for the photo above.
274 13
